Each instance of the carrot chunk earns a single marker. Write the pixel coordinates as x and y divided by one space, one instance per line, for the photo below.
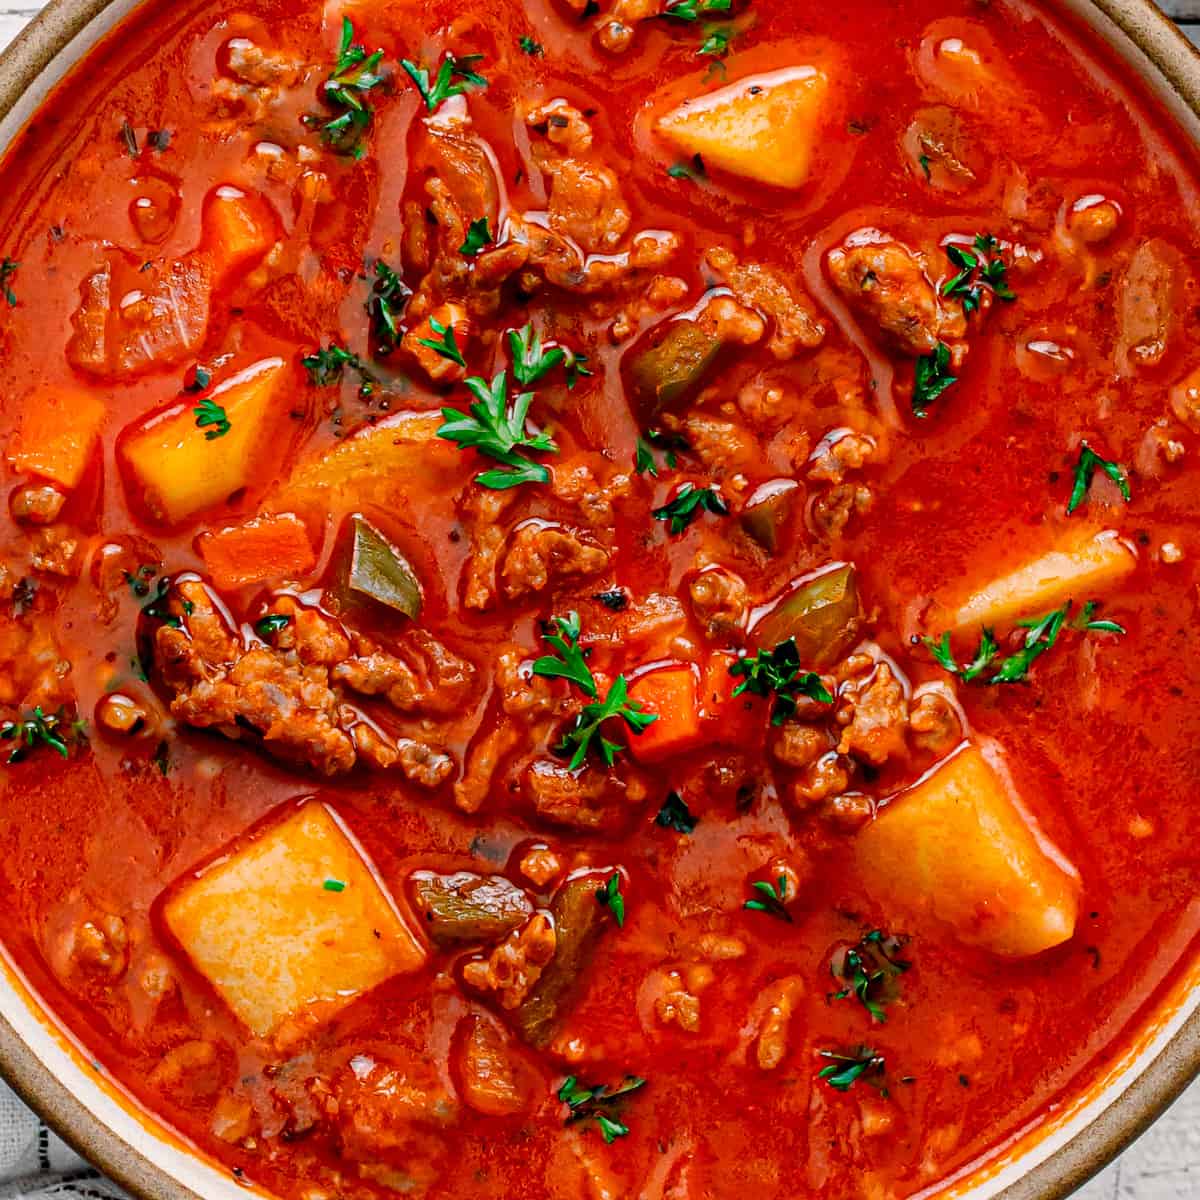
669 693
237 228
59 431
269 547
730 720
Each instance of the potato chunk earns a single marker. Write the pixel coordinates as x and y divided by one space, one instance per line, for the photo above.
292 923
956 846
764 127
176 470
1076 569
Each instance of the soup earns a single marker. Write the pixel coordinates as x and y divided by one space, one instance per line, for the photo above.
598 598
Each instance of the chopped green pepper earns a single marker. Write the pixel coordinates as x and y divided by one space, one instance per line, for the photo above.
767 512
376 570
672 367
821 615
465 907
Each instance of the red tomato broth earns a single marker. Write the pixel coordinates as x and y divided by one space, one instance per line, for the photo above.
1103 736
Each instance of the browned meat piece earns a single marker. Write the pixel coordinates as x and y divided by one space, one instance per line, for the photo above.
799 746
540 555
130 322
875 715
57 550
254 79
33 669
494 1081
583 799
885 284
188 1063
586 204
832 510
100 945
720 601
772 1014
430 680
840 453
724 447
483 760
827 777
522 694
795 324
36 504
512 969
482 510
1185 401
576 484
1147 304
283 694
934 722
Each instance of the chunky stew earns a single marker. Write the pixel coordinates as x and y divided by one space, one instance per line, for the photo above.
597 598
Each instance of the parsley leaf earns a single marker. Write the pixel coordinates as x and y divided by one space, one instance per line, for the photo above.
693 10
1085 470
577 369
845 1070
8 269
717 39
983 266
326 367
597 1104
932 378
532 363
385 305
494 429
687 505
1043 633
447 346
478 236
354 77
271 624
139 581
868 969
777 673
530 47
644 462
334 885
676 815
572 664
609 896
39 729
210 414
771 899
455 77
693 169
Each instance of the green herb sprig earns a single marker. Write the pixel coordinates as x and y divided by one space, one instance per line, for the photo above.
977 268
354 77
609 896
933 376
779 673
676 815
455 77
869 971
771 899
213 419
385 306
599 1104
689 502
1085 470
845 1070
52 730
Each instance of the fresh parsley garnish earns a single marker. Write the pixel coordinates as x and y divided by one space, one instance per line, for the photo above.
676 815
869 969
385 305
1085 470
716 40
571 664
609 896
977 267
644 462
354 77
39 729
478 236
932 378
531 361
690 169
778 673
334 885
598 1104
157 610
196 379
326 367
1042 635
271 624
494 428
139 580
446 345
845 1070
771 899
577 369
8 269
455 77
530 47
212 418
688 504
693 10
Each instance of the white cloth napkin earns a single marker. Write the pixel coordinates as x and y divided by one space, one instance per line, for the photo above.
35 1164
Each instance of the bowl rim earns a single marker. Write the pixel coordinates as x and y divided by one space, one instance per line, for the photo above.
1151 1086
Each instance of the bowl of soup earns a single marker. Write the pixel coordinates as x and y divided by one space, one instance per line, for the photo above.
597 599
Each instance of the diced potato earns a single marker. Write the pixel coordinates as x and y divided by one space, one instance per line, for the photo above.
957 847
764 127
177 471
237 228
1077 569
292 924
59 431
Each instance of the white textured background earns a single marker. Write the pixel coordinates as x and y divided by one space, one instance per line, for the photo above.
1165 1163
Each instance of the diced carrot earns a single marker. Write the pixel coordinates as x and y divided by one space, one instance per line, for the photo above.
730 720
276 546
60 428
669 693
237 227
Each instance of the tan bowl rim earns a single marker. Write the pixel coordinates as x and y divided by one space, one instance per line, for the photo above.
1125 1119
